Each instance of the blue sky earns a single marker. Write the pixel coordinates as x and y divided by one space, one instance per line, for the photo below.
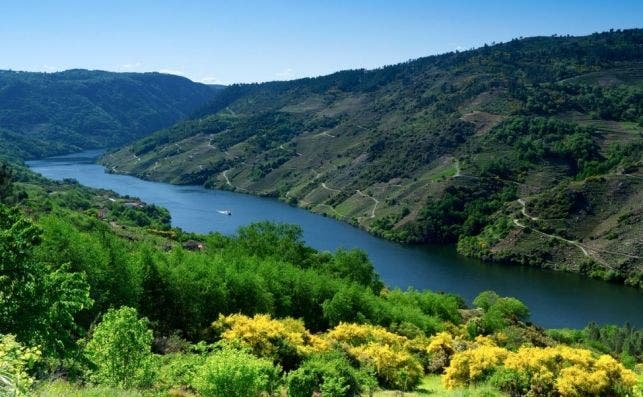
247 41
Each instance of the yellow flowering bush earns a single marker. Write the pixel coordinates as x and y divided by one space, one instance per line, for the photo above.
473 365
390 355
361 334
268 337
550 371
394 367
441 342
571 372
15 361
440 349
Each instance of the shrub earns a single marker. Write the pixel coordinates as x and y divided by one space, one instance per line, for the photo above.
385 352
551 371
485 299
120 349
178 371
286 340
473 365
354 265
510 381
331 374
440 350
499 312
234 373
361 334
572 372
15 363
394 368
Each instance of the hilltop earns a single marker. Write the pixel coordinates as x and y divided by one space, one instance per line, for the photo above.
44 114
527 151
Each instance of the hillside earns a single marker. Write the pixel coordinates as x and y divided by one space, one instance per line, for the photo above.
52 113
527 152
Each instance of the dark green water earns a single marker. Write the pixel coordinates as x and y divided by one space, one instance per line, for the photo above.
555 299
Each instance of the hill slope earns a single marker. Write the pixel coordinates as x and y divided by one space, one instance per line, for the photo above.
526 152
49 113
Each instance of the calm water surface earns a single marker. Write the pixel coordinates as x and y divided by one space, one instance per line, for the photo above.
555 299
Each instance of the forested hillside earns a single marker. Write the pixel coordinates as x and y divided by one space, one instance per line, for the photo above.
54 113
525 152
102 298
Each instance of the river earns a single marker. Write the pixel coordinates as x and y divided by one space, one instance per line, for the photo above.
554 299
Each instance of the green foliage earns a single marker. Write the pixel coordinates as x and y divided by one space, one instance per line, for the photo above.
267 239
615 340
94 250
16 361
179 370
479 246
607 102
38 303
461 211
355 266
54 113
510 381
485 300
120 349
60 388
626 157
234 373
619 341
538 138
6 181
331 374
499 312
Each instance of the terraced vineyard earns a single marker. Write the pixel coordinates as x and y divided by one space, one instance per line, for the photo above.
441 148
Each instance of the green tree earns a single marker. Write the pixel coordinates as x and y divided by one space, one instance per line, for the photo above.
499 312
355 266
153 302
120 349
485 299
6 181
38 303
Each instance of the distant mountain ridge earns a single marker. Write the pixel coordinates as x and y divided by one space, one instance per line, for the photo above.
53 113
526 152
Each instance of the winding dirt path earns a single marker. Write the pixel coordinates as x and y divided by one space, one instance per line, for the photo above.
376 201
325 133
225 175
572 242
586 251
524 210
323 184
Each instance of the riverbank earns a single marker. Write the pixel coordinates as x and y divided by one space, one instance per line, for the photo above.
555 299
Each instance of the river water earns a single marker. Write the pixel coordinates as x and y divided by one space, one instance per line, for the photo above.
554 299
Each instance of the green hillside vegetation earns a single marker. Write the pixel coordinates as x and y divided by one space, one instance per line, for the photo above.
54 113
526 152
104 298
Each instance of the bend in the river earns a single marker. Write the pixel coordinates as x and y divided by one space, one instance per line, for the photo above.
555 299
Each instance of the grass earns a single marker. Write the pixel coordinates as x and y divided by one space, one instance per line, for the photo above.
439 173
60 388
432 386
